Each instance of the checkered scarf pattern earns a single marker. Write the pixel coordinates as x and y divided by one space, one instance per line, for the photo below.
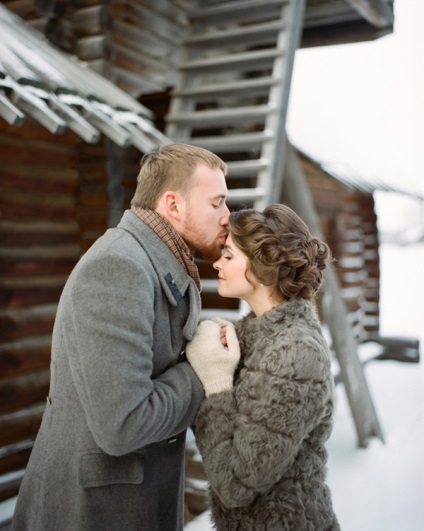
171 238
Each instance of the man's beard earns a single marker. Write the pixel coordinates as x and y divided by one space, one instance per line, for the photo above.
204 252
198 245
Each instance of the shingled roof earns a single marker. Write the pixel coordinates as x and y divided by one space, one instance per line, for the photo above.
60 91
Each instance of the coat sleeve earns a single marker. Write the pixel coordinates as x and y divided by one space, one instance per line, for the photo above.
249 437
108 315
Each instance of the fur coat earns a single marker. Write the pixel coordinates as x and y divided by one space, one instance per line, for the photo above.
262 443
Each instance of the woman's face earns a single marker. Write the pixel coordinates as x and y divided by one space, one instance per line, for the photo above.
231 269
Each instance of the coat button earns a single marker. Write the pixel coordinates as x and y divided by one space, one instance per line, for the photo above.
172 440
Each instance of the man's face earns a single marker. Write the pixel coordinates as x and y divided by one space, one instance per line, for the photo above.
206 218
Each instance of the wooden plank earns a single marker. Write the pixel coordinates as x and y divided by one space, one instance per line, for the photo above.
10 488
42 154
18 392
14 297
30 205
21 425
20 323
15 456
35 267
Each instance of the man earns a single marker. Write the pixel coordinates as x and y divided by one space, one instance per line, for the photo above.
110 451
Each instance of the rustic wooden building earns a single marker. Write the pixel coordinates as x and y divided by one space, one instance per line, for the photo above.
71 139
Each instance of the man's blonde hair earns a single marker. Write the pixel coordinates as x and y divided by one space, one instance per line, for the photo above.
170 167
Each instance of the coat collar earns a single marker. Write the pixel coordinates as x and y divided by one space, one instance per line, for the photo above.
172 276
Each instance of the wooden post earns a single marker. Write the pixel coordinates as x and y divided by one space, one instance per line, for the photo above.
296 191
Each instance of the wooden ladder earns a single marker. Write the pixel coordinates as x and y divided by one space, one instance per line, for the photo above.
231 95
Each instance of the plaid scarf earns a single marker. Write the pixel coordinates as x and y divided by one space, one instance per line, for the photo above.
171 238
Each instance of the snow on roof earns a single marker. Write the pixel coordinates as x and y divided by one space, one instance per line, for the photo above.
356 180
61 92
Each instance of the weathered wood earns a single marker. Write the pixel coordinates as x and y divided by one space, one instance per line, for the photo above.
20 323
10 488
93 47
42 179
92 20
16 204
21 425
15 456
13 297
43 154
21 359
28 267
364 415
17 392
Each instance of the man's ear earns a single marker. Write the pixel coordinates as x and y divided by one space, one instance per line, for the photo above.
171 206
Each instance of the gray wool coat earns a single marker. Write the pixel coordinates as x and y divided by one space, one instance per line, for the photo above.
262 444
109 453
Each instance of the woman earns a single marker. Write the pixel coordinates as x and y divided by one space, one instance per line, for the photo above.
262 429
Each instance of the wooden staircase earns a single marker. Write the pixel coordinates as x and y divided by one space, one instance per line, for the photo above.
232 94
231 97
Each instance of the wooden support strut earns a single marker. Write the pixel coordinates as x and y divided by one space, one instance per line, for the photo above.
296 192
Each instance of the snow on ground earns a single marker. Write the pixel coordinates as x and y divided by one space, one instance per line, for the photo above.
381 488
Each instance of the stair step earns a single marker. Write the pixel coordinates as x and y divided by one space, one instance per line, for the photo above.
231 143
252 35
246 168
209 285
239 195
229 315
222 116
251 87
240 61
239 11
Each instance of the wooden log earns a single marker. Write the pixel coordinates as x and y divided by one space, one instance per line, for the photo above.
21 425
35 267
24 177
93 195
21 323
18 233
93 47
15 456
10 488
18 360
18 392
30 205
92 20
14 297
36 153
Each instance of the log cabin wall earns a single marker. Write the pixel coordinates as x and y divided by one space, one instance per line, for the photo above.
54 203
39 245
349 223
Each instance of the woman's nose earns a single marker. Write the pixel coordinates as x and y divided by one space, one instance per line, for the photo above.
216 265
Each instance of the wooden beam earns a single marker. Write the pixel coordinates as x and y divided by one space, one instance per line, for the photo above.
297 194
376 12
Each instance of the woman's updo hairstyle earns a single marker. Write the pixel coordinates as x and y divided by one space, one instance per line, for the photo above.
281 251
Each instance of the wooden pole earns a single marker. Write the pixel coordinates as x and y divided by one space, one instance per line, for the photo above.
296 192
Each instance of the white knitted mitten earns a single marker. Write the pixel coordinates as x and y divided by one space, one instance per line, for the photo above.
212 362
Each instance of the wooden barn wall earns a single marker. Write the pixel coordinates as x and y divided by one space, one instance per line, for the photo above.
39 245
53 205
349 222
